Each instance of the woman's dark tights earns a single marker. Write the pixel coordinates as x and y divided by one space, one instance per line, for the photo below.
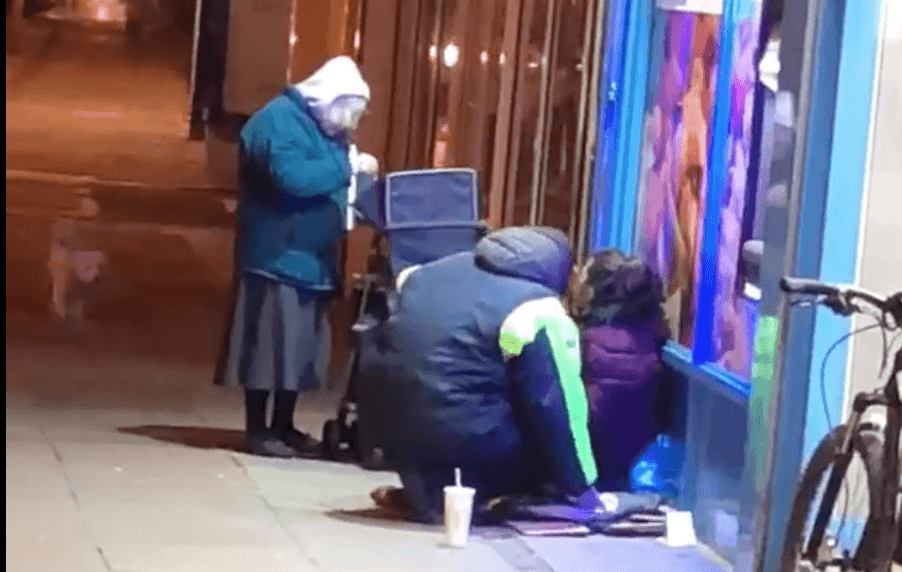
255 405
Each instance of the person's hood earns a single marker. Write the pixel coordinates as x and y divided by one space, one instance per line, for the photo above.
337 77
534 253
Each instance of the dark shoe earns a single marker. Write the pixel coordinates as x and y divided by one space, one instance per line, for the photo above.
299 442
393 503
266 444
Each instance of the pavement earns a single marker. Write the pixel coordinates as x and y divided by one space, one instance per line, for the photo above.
130 463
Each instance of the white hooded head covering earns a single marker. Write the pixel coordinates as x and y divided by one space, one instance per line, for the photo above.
337 93
338 76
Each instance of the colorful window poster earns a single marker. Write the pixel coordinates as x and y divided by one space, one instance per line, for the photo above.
676 139
735 315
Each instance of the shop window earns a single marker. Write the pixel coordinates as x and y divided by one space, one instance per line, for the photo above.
548 136
674 181
501 86
738 257
422 103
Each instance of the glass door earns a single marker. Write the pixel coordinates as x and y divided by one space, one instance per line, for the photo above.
559 194
550 142
421 128
470 54
526 133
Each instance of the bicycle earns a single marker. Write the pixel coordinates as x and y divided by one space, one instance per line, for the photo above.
878 449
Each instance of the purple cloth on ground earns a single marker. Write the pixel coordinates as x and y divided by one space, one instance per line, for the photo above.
582 510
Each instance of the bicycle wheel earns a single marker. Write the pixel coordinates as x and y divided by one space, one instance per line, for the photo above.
849 516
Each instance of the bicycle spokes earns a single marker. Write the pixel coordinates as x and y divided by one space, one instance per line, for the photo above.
835 530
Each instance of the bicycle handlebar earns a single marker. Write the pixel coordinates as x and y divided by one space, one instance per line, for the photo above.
808 287
840 297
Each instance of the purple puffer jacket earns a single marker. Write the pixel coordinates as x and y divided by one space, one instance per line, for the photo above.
622 369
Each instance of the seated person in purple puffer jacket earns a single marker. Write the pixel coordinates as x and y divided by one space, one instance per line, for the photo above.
617 302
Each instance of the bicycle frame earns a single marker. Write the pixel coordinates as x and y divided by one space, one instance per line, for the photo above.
888 522
885 523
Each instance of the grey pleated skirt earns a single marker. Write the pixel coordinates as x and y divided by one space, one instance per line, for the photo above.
275 337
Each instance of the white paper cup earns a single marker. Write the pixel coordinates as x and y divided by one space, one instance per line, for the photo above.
458 514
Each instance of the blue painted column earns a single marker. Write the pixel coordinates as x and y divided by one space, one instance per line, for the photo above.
615 210
771 439
825 87
610 102
635 79
842 215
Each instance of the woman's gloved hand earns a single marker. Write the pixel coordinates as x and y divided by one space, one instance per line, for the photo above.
365 163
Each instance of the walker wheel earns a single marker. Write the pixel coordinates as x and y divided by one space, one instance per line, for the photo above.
331 439
372 459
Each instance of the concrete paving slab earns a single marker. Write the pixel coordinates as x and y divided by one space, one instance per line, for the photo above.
16 432
95 435
33 471
43 544
603 554
315 484
44 527
242 550
152 524
349 541
106 467
23 420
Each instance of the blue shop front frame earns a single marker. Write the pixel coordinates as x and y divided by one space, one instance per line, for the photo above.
714 404
629 47
621 103
707 397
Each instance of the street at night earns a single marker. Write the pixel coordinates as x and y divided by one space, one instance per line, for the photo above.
452 285
121 456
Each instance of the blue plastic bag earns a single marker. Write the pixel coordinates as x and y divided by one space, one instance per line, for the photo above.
658 468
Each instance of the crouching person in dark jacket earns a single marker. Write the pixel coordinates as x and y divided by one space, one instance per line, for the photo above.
617 303
479 368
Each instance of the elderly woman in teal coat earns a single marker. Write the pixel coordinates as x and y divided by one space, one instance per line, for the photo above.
296 165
